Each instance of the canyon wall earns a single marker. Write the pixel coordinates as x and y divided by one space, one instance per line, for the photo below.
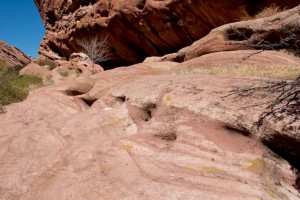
137 29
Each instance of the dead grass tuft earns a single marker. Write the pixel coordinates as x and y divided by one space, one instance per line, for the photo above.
276 72
267 12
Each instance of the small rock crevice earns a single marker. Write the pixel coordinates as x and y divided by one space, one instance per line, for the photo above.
141 5
73 92
88 101
148 110
121 99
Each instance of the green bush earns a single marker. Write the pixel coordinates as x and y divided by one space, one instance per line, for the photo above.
11 94
14 87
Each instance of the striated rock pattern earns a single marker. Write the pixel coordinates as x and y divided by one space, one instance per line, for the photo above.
12 55
140 133
137 28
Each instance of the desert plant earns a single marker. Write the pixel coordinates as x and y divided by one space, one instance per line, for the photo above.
266 12
282 72
288 101
2 64
64 58
14 87
46 62
64 73
96 48
71 73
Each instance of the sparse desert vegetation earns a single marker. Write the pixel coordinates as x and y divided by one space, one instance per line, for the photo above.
71 73
266 12
96 48
47 63
276 72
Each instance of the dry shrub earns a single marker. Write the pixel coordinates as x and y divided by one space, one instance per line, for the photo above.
46 62
266 12
71 73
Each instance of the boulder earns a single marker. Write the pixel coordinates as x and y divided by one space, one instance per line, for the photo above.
34 69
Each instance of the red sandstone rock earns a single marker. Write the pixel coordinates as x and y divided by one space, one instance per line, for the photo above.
241 35
34 69
137 28
137 133
79 61
12 55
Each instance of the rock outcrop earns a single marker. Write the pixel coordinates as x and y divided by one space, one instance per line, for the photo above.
137 29
141 133
80 62
12 55
33 69
278 32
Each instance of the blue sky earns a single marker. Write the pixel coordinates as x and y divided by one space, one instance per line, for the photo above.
21 25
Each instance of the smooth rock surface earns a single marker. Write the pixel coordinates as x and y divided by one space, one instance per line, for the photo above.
139 133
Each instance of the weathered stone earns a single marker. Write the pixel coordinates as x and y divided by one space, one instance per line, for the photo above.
80 62
246 35
137 133
12 55
137 29
34 69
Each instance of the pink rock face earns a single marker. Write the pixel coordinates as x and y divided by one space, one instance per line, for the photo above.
34 69
137 28
12 55
139 133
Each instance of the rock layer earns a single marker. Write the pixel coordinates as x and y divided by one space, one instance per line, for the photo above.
12 55
138 28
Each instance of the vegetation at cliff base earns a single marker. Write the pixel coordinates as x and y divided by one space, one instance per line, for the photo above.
14 87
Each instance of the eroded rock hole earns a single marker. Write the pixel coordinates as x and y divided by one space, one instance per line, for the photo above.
148 109
121 99
141 5
287 148
239 34
73 93
88 102
238 130
169 137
